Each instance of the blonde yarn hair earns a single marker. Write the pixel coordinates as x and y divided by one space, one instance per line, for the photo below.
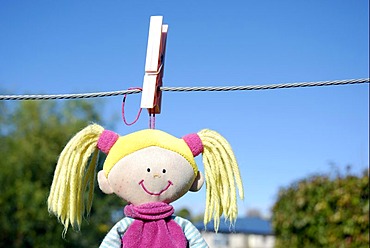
222 178
75 171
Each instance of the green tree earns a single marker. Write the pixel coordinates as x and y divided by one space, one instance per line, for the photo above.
184 213
323 211
187 214
32 134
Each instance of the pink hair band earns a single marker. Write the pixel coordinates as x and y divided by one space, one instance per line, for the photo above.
194 143
107 140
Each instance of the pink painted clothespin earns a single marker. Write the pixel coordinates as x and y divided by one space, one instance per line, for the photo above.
154 66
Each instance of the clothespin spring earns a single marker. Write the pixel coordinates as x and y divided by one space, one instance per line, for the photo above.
152 111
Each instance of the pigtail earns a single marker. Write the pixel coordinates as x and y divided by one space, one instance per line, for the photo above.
222 177
74 171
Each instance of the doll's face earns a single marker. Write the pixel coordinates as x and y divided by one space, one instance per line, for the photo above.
152 174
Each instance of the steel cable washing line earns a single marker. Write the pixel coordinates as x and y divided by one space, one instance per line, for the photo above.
187 89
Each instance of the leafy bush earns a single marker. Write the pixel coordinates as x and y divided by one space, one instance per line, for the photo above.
32 134
323 211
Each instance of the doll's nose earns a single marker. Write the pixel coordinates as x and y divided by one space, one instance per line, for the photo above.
156 175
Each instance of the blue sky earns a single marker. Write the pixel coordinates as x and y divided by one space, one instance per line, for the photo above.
278 136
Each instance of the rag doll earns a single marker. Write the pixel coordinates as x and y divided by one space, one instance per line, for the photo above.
149 169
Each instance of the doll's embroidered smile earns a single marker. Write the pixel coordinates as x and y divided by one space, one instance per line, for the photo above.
141 183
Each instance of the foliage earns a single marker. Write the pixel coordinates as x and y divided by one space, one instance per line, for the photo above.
184 213
32 134
187 214
323 211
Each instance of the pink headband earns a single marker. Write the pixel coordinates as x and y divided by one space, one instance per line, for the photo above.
107 140
194 143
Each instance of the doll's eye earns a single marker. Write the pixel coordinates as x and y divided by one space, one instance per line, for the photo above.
148 170
164 170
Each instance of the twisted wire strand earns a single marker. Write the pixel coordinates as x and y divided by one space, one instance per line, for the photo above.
269 86
68 96
187 89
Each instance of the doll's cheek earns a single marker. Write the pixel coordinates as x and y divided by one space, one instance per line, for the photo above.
127 189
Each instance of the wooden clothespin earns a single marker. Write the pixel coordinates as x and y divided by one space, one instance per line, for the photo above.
154 65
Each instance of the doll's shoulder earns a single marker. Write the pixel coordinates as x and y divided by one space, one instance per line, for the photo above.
125 221
113 237
192 234
181 221
123 224
120 227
